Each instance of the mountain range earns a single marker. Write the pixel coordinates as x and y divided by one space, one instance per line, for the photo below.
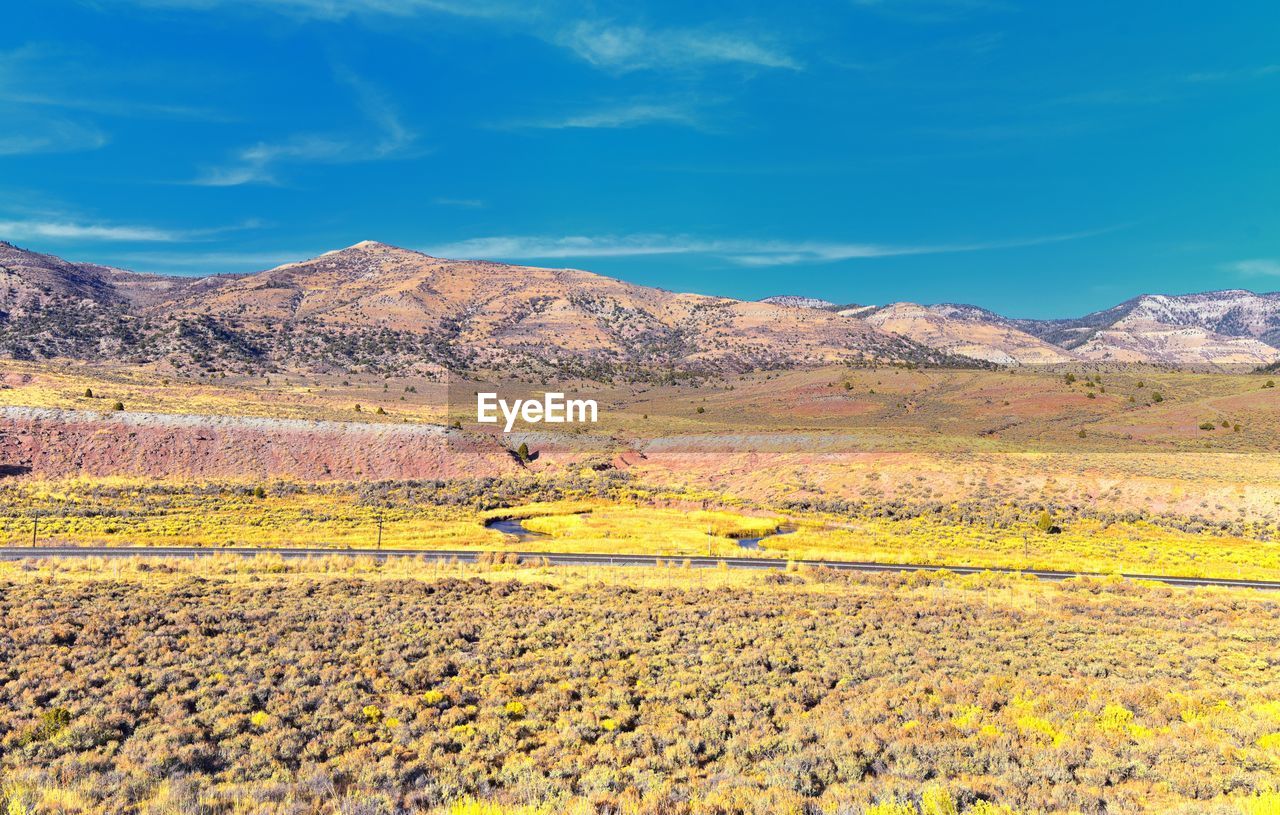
377 308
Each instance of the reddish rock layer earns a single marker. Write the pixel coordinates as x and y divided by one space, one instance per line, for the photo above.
58 443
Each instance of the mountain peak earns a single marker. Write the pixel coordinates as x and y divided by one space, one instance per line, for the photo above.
363 252
797 301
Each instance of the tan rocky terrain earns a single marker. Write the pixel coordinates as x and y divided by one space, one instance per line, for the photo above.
495 314
374 307
51 443
1231 327
967 333
1140 339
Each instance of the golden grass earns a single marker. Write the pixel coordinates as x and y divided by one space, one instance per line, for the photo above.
130 512
1085 545
133 513
643 530
941 669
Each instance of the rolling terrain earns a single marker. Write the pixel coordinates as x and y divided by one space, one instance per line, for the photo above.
1232 328
968 332
1146 472
376 308
373 307
1223 327
312 410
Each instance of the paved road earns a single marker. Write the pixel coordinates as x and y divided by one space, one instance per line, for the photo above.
569 559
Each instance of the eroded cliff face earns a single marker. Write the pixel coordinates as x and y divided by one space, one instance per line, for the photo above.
61 443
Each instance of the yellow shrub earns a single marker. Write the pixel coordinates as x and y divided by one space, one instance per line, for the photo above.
1271 741
471 806
938 801
1266 802
1115 718
1036 726
966 716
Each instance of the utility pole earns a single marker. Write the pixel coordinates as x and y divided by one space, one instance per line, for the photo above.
379 531
708 540
35 526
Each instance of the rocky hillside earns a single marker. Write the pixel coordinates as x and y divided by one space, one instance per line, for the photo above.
798 301
377 308
969 332
61 443
1223 327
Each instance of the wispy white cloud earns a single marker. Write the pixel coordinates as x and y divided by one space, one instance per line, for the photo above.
743 252
202 263
605 44
1160 90
342 9
30 135
630 47
1257 72
51 97
39 76
626 115
394 136
461 203
52 226
1257 267
260 163
71 230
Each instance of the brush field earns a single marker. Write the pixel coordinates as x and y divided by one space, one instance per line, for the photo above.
340 687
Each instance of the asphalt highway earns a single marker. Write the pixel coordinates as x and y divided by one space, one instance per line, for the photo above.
574 559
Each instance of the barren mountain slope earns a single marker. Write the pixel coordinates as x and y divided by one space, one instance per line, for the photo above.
966 331
501 313
373 307
1222 327
1136 339
53 307
798 301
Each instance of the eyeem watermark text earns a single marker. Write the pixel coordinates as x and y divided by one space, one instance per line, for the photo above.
553 408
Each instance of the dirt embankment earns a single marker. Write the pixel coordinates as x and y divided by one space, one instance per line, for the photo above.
58 443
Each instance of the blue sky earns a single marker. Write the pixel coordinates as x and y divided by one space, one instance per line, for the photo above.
1040 159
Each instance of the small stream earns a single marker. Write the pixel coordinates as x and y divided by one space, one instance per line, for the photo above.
516 527
754 543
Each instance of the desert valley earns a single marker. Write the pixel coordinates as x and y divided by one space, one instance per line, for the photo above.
316 406
588 407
